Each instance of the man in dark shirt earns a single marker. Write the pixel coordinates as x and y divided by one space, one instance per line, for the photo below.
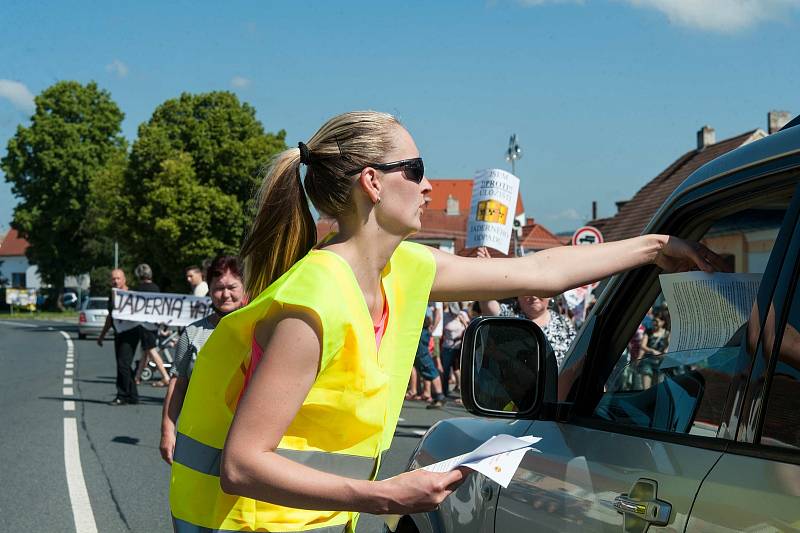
126 339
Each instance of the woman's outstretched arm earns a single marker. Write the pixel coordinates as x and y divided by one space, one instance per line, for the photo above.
280 383
553 271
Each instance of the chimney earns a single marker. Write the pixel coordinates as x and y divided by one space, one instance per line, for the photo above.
705 137
776 120
621 204
452 205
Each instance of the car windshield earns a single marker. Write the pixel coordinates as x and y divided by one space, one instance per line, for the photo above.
97 303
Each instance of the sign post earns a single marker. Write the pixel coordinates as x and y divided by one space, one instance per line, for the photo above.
577 298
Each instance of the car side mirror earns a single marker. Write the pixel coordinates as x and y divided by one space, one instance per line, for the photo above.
503 363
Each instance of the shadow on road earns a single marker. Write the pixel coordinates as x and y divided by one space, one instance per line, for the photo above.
126 440
146 400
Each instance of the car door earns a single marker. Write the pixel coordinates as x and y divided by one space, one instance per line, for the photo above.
756 484
643 432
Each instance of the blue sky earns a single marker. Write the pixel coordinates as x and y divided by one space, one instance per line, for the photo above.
602 94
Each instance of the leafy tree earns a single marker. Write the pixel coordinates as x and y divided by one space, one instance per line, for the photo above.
74 135
190 180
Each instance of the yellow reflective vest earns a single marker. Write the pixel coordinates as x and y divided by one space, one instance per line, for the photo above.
349 416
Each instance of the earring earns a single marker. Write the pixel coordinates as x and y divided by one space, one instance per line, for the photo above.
379 200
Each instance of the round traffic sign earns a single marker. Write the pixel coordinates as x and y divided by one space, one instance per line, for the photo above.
587 235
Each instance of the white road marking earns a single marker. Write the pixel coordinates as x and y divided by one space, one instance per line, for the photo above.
68 391
70 365
69 405
68 372
65 335
78 495
67 381
21 324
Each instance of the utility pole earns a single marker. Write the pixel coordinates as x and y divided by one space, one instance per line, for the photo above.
116 255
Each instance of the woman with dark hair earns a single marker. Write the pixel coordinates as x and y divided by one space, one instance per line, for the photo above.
225 279
324 350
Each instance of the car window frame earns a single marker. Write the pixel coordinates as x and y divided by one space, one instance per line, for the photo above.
625 305
759 385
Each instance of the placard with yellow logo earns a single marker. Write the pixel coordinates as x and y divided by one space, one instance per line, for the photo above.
491 217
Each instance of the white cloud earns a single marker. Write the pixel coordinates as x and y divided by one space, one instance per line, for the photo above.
118 68
570 214
725 16
240 82
18 94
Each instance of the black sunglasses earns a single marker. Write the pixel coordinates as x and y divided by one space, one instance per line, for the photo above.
414 168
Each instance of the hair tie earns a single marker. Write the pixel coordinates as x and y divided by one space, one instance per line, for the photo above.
305 154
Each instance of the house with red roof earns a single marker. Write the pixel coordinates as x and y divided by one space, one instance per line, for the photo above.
15 266
746 246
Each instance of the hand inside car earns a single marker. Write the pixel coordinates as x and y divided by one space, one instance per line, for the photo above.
420 491
679 255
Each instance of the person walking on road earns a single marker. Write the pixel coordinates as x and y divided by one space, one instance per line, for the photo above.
338 325
148 332
224 275
126 339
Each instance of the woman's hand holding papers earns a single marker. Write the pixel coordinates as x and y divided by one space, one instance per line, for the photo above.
417 491
678 255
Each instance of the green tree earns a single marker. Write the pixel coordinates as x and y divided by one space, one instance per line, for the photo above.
73 137
192 173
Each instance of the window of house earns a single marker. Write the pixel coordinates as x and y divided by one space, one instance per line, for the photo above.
782 418
655 386
18 280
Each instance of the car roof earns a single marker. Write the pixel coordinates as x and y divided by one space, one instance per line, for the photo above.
779 144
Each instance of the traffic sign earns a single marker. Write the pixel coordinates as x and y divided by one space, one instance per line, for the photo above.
587 235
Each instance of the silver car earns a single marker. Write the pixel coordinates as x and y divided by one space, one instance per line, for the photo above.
92 316
684 439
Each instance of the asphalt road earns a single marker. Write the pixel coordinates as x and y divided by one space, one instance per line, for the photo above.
125 484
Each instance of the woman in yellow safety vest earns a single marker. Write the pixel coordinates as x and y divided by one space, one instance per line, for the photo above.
315 367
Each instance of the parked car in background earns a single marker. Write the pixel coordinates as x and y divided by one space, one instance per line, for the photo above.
683 438
92 316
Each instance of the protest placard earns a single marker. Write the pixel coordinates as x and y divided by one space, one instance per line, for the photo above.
494 203
159 307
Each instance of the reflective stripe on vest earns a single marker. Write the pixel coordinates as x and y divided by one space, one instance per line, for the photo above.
206 459
181 526
349 415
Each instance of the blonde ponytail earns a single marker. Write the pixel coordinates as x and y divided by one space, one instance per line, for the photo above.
284 230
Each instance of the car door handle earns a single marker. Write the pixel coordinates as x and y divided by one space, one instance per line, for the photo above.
642 503
655 511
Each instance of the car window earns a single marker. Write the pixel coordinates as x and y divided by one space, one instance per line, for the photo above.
97 303
654 386
782 418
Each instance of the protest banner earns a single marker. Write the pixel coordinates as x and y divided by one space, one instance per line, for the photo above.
491 215
159 307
